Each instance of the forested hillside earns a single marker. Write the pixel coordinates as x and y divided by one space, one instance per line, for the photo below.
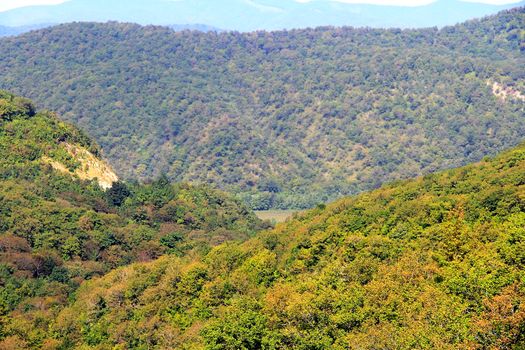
432 263
285 119
58 229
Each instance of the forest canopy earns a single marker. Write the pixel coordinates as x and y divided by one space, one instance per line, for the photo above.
432 263
92 260
285 119
58 230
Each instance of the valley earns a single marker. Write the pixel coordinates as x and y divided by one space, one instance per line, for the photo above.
305 189
276 216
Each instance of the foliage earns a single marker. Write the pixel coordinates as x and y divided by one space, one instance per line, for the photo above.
57 231
431 263
286 119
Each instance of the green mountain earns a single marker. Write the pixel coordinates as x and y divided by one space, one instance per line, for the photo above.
431 263
284 119
59 227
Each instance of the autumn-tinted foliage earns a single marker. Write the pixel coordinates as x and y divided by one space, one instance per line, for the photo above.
432 263
287 118
57 230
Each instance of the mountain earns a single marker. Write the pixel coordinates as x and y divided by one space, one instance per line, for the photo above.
12 31
435 262
284 119
59 227
249 15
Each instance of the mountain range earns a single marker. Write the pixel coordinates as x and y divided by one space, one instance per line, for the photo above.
12 31
249 15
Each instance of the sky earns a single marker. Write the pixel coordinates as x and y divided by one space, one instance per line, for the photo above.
417 2
6 5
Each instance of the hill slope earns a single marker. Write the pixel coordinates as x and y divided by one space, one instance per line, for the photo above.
288 119
432 263
59 228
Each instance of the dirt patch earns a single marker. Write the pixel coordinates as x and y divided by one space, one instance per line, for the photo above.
90 168
505 92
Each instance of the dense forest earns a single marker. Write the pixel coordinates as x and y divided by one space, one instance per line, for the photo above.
284 119
431 263
157 256
57 230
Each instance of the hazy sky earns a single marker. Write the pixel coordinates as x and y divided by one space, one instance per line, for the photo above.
6 5
416 2
13 4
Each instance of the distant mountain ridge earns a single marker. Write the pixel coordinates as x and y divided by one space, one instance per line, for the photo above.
252 15
12 31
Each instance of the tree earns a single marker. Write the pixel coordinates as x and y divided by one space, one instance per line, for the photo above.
117 194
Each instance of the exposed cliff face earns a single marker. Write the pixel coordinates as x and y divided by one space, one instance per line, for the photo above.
28 138
90 167
505 92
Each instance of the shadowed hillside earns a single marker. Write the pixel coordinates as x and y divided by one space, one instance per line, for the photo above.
285 119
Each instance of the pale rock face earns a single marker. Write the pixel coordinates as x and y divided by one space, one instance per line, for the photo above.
91 167
505 92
